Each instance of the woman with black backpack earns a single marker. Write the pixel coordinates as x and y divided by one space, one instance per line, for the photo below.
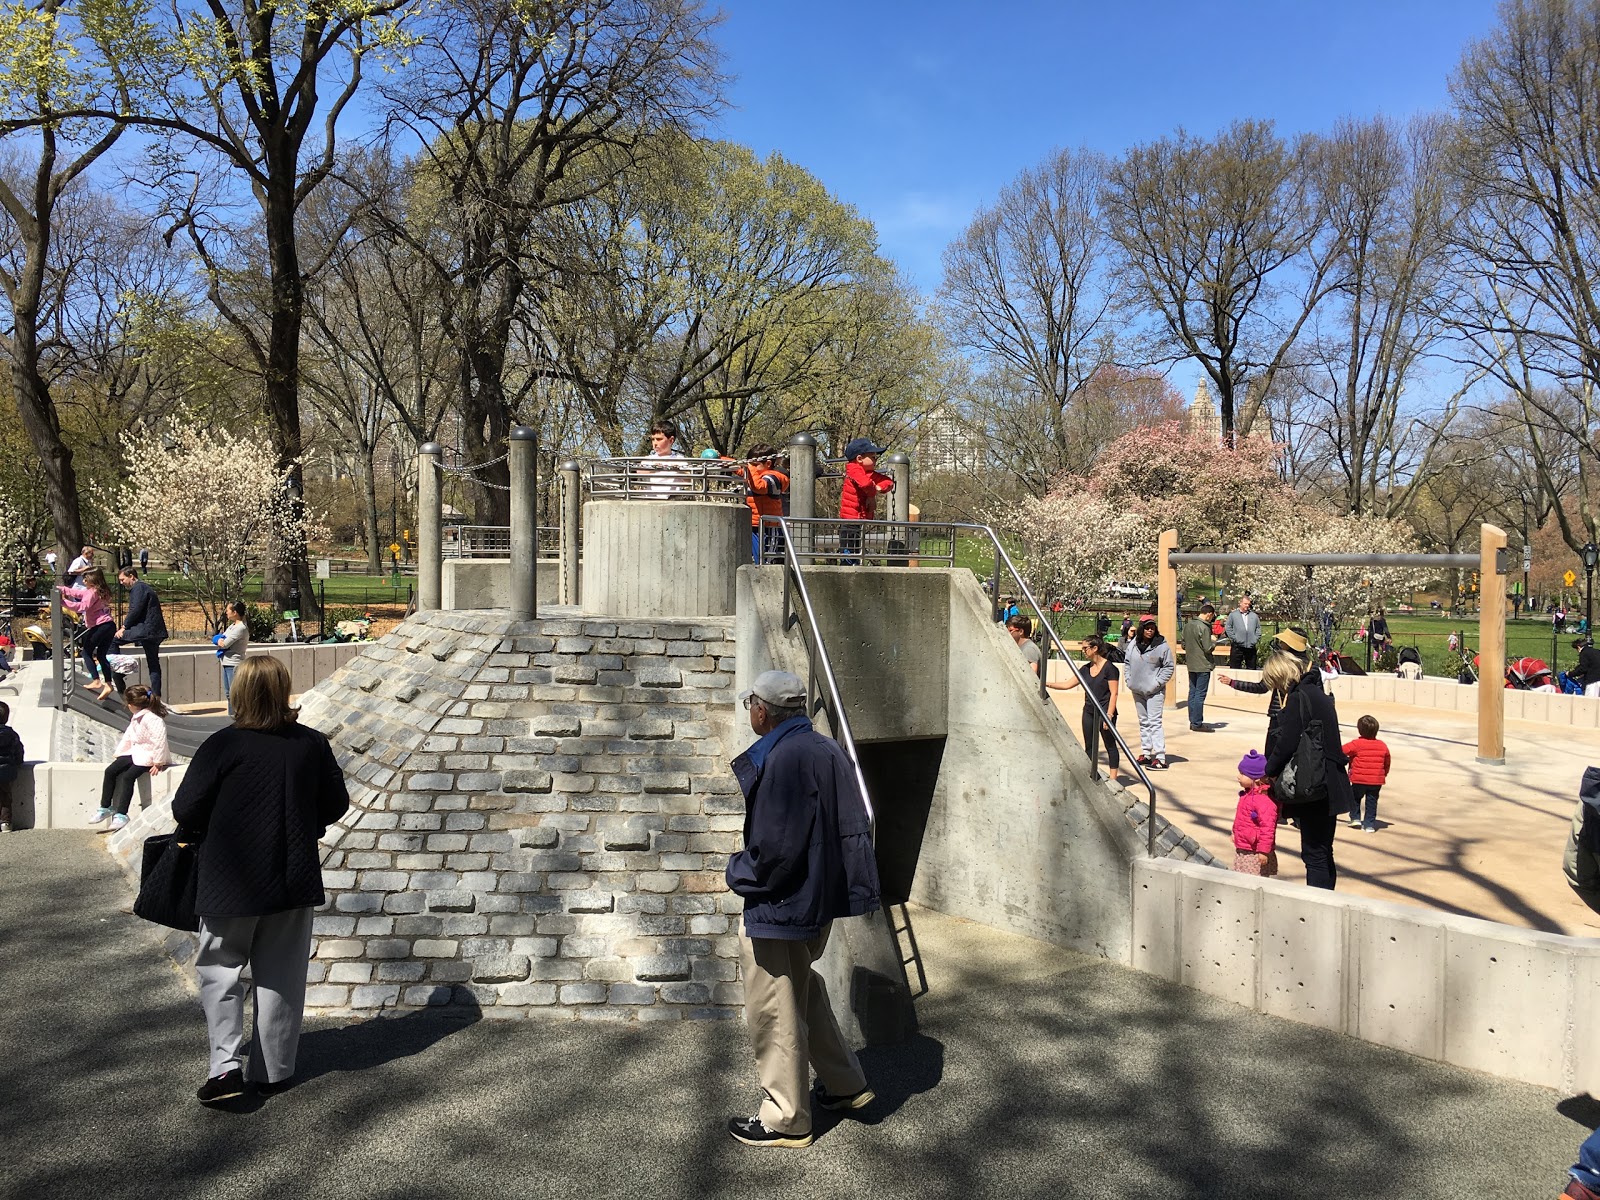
1306 739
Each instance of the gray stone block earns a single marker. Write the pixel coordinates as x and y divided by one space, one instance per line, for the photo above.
583 993
376 995
630 993
662 968
525 781
500 968
429 995
388 948
666 783
555 727
652 673
458 901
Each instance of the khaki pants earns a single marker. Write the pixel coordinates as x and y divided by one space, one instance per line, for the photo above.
277 948
792 1025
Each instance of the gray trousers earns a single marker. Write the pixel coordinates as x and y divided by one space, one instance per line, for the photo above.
277 949
1152 738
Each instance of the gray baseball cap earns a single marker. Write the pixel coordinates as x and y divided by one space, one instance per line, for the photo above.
778 688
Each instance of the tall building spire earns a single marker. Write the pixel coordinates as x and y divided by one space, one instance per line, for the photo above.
1204 419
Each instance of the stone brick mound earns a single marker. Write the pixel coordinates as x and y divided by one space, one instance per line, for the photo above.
541 816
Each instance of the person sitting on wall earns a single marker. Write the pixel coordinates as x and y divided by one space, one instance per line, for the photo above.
1587 672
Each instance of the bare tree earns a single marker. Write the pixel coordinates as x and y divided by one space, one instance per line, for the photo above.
1026 288
517 107
1528 159
1386 194
1222 243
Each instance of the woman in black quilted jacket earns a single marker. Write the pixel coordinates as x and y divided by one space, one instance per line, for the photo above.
257 797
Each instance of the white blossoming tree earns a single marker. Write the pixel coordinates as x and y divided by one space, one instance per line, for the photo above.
214 500
1306 530
1075 545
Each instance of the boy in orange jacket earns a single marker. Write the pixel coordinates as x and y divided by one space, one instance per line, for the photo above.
858 500
1369 769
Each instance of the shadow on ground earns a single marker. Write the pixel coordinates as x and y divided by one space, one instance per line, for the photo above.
1036 1073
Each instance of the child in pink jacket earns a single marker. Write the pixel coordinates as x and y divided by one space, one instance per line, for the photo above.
141 750
1255 821
92 600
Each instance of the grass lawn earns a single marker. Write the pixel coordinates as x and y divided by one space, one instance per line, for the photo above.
339 588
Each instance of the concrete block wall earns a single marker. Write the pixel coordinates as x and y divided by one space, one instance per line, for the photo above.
1021 835
1496 998
486 583
57 795
543 812
194 676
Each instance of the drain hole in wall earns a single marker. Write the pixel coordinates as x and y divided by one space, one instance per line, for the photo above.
1392 938
1491 1031
1492 958
1391 1008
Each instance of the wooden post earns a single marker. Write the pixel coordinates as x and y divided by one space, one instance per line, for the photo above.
1167 602
1491 648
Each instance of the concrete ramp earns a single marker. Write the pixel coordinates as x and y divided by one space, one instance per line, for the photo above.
987 806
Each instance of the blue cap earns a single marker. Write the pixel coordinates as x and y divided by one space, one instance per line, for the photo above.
862 446
708 452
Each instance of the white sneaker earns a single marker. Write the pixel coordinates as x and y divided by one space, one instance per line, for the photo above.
100 817
5 826
1355 824
117 822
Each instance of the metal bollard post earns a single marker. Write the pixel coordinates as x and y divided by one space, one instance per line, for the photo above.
524 523
430 526
898 467
571 530
802 489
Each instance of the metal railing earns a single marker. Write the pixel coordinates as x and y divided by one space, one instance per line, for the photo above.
817 664
881 543
653 478
941 539
493 541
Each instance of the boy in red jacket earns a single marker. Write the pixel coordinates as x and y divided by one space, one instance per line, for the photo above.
1369 768
858 500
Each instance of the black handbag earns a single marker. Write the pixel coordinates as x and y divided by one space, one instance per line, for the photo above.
167 879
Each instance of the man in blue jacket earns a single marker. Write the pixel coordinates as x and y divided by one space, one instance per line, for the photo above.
807 859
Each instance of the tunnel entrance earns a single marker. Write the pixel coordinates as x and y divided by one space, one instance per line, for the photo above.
902 776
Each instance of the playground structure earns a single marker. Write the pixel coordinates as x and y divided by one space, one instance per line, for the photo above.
1490 561
543 801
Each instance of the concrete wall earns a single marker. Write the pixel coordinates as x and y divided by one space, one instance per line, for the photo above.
655 559
1019 835
887 633
486 583
67 795
1496 998
194 676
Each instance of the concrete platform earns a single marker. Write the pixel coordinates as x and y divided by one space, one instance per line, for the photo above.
1455 835
1037 1072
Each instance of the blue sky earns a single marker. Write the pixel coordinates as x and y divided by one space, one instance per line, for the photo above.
919 114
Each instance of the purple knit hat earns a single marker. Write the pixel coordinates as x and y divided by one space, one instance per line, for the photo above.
1253 765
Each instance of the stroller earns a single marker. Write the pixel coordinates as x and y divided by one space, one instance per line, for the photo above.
1529 675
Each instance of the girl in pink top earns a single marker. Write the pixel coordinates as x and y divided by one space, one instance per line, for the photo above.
141 749
1255 821
92 600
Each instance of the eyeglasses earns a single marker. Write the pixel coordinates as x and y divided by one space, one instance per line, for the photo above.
749 699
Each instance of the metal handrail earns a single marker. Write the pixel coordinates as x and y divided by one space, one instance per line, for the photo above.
881 541
1002 559
652 477
817 656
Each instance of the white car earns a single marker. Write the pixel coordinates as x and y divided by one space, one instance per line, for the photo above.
1129 591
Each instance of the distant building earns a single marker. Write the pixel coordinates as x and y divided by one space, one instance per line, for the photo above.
1203 419
945 442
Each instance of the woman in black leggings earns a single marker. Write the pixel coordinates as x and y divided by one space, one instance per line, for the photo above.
1100 679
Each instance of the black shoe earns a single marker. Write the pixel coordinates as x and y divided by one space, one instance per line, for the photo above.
822 1098
266 1087
1158 762
752 1132
1200 728
227 1086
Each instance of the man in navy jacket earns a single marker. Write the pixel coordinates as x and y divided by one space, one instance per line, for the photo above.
807 859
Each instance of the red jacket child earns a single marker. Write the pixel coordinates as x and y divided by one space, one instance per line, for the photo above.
1369 759
858 501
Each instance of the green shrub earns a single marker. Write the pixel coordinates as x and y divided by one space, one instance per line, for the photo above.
263 621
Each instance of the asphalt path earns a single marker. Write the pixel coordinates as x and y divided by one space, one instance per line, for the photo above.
1036 1073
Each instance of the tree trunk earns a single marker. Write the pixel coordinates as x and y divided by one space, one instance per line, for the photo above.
44 432
369 488
283 383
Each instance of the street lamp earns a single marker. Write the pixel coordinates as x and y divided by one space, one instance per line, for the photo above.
1591 559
